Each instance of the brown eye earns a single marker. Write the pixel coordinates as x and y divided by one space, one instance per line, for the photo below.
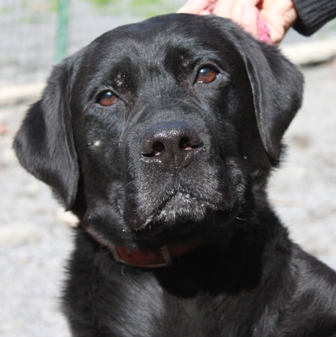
107 98
206 75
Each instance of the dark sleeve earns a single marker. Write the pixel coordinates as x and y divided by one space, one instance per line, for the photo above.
313 14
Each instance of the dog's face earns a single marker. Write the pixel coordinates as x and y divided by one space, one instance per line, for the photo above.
168 123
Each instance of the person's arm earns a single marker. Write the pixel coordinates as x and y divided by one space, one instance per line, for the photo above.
313 14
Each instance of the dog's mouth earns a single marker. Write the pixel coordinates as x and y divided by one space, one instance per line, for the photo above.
180 208
180 217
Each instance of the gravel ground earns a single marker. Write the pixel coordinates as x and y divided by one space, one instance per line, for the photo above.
35 237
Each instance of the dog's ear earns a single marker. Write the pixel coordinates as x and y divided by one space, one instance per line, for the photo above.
44 144
276 83
277 87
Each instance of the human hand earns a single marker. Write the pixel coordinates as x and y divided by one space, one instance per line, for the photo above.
266 20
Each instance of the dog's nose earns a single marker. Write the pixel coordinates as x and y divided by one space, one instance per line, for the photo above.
170 146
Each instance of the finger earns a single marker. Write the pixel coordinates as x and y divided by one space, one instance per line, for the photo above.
224 8
195 6
249 19
276 33
236 11
280 16
211 7
232 8
205 12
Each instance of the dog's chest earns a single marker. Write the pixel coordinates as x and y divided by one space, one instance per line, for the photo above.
141 306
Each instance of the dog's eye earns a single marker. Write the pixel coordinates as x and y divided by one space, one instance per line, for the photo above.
107 98
206 75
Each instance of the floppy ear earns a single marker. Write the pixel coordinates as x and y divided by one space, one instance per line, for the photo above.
276 83
44 144
277 87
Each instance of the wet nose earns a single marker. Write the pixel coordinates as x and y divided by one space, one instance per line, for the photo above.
170 146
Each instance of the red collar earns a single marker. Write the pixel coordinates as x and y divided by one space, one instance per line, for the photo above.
160 257
149 258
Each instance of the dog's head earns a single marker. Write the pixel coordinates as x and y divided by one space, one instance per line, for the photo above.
167 123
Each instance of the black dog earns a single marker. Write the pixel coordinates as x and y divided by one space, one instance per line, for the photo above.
160 137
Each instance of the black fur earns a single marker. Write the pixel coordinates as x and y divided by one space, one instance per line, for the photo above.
248 279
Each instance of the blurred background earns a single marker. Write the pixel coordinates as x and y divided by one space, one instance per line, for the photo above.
35 233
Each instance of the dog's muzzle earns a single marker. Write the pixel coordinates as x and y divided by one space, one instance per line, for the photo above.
170 146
